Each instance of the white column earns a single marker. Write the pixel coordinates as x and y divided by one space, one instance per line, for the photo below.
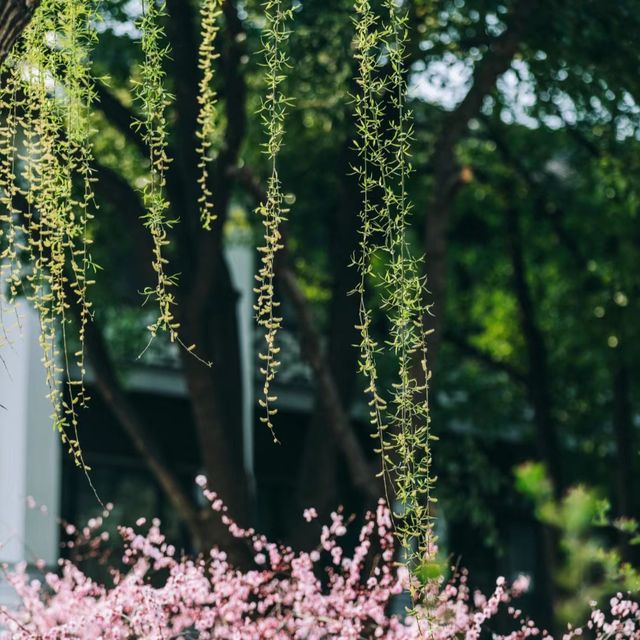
29 448
240 258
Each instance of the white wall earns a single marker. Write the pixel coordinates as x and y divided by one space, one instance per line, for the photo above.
240 257
29 448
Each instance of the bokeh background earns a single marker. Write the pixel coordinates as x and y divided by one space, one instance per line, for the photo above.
526 192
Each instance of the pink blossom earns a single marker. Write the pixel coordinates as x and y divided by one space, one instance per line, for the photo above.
310 514
160 594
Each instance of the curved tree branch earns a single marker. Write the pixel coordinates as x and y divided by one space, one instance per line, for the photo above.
360 470
446 172
142 438
120 116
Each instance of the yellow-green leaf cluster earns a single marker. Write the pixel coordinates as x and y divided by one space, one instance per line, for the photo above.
210 12
46 154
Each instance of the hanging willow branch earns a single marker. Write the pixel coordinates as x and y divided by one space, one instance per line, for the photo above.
401 421
44 240
273 111
210 11
154 101
405 292
369 112
76 20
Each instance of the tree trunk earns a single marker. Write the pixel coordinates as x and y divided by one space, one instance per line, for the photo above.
624 452
15 15
207 304
216 393
318 484
540 397
538 386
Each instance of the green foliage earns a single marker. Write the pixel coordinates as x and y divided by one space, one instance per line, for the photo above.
591 568
429 570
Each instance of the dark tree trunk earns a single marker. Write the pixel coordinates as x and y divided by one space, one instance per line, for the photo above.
319 481
208 302
540 397
216 393
14 17
538 381
624 442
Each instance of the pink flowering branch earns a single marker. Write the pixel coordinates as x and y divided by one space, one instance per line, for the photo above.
333 591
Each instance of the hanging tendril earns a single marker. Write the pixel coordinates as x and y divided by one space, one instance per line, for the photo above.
210 12
385 262
154 101
273 110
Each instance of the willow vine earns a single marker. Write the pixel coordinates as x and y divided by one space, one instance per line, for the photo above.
154 101
210 12
400 417
273 111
